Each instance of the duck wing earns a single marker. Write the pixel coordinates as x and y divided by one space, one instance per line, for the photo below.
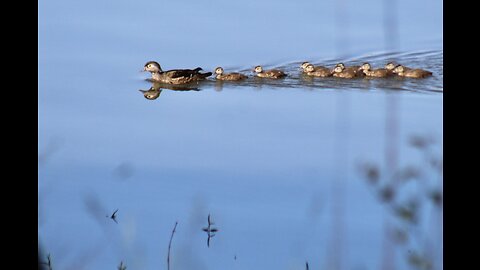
178 73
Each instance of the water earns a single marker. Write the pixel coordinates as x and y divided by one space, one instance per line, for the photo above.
275 163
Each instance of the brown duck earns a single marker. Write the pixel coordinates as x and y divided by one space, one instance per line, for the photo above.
234 76
411 73
272 73
353 68
317 71
342 72
377 73
174 76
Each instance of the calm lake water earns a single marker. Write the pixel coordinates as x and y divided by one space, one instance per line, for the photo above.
279 165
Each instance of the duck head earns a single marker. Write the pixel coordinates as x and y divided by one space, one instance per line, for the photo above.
399 69
309 68
390 66
365 66
219 71
152 66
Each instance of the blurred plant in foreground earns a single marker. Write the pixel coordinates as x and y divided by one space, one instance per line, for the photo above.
413 195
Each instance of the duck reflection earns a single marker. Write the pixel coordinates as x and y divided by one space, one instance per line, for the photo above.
157 88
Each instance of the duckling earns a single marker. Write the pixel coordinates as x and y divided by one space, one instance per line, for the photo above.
354 67
272 73
341 72
234 76
174 76
390 66
304 65
317 71
378 73
411 73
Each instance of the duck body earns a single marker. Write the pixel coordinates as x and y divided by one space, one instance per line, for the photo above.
351 69
342 72
348 74
180 76
378 73
272 73
175 76
411 73
233 76
415 73
317 71
320 72
366 68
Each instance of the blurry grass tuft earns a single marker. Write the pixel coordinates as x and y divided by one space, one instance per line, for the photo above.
419 261
121 266
48 263
406 214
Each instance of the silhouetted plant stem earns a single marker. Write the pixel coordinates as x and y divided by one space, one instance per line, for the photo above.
170 244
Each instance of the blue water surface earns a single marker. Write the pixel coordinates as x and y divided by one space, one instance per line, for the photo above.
275 163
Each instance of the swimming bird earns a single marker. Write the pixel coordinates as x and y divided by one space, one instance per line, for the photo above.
317 71
390 66
354 68
403 71
342 72
174 76
378 73
234 76
272 73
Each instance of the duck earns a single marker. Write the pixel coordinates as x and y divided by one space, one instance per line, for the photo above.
342 72
378 73
272 73
403 71
174 76
304 65
354 67
390 65
234 76
317 71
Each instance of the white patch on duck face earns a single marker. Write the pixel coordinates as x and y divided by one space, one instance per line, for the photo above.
338 69
390 66
219 70
365 66
398 69
258 69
